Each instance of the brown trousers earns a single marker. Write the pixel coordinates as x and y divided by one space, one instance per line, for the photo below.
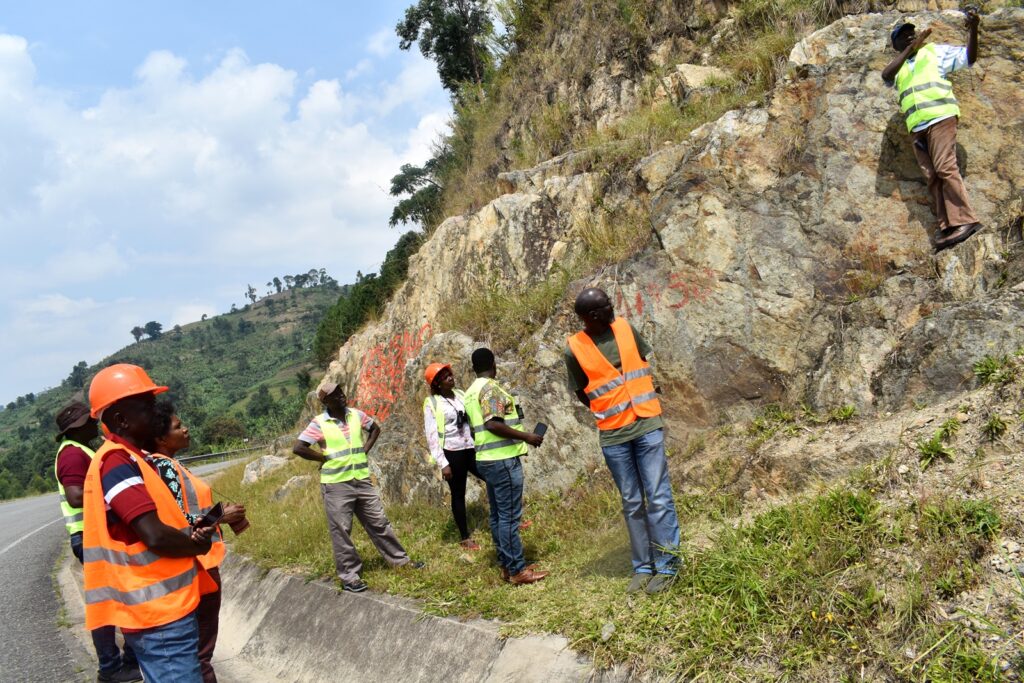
935 150
360 498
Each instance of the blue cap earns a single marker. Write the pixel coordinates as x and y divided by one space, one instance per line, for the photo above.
899 28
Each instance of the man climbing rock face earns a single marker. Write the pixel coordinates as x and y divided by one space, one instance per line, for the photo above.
931 113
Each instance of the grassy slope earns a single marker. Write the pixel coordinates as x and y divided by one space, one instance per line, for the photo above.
212 368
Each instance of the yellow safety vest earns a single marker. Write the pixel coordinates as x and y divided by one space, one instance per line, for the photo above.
346 458
490 446
923 93
72 515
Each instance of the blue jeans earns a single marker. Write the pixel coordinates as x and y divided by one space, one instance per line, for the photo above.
504 480
640 471
103 639
169 653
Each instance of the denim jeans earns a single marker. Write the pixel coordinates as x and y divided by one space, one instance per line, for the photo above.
103 640
169 653
504 480
641 473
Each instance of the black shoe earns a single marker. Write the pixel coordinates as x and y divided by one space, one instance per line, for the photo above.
126 674
357 586
954 236
414 565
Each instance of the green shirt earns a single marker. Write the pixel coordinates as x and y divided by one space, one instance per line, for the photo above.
578 380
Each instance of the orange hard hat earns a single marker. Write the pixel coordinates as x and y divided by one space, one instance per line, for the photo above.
431 372
113 383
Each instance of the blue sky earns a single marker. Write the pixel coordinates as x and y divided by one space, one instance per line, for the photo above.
155 158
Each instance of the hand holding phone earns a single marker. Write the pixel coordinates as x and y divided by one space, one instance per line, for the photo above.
211 517
540 429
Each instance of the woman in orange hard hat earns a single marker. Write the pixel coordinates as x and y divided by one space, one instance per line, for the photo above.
450 441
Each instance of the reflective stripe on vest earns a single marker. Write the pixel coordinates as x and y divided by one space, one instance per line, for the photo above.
72 515
617 398
490 446
346 458
127 584
924 94
197 500
434 401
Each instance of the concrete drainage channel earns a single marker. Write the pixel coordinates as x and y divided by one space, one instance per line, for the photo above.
276 627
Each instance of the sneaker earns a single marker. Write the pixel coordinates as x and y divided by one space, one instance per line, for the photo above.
526 576
126 674
357 586
660 583
954 236
638 583
470 544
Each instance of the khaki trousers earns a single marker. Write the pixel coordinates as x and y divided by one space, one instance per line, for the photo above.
358 497
935 150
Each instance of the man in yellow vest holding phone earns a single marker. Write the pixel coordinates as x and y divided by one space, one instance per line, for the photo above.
609 373
931 113
346 486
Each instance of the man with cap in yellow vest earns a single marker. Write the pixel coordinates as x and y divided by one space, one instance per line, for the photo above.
346 486
75 430
608 371
141 572
493 417
931 113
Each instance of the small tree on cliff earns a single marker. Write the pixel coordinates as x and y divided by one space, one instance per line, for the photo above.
422 184
453 33
137 332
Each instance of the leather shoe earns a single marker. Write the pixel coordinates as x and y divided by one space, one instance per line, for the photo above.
954 236
526 576
504 572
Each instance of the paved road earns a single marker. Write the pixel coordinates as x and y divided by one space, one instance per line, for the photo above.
33 647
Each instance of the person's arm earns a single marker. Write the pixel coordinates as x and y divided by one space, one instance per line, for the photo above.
167 541
498 427
305 450
433 443
890 71
972 35
371 437
233 512
74 495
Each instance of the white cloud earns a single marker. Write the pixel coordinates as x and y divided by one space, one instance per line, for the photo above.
382 43
164 194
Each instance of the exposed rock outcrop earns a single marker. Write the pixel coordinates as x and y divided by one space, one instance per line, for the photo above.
792 261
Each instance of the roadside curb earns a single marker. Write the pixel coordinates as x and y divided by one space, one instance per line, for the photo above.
278 627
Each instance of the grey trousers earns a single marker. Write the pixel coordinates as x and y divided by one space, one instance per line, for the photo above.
358 497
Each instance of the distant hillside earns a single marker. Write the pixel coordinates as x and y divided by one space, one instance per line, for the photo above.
234 376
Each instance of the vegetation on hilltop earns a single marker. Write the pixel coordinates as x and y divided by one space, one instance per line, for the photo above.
242 375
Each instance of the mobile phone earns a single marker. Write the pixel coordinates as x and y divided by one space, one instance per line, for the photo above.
540 429
211 517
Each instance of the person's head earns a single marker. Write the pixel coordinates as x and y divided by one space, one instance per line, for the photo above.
594 309
133 418
75 423
483 362
171 435
440 378
332 396
902 35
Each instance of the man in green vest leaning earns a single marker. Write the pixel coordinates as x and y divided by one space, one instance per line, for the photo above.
931 113
346 486
493 417
75 429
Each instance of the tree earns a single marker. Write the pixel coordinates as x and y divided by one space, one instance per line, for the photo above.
303 379
453 33
30 398
223 428
277 284
77 377
12 405
262 403
137 332
423 205
154 329
234 309
250 293
289 281
177 330
203 317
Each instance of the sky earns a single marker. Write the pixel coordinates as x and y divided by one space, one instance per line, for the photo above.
156 158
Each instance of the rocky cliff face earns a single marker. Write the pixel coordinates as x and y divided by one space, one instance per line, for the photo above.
792 261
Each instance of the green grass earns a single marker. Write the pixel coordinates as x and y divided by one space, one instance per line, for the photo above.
780 595
994 370
994 428
933 449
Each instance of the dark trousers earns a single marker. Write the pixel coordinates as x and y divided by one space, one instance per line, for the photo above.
208 615
463 463
103 640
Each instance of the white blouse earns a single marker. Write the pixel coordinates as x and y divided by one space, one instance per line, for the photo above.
455 438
